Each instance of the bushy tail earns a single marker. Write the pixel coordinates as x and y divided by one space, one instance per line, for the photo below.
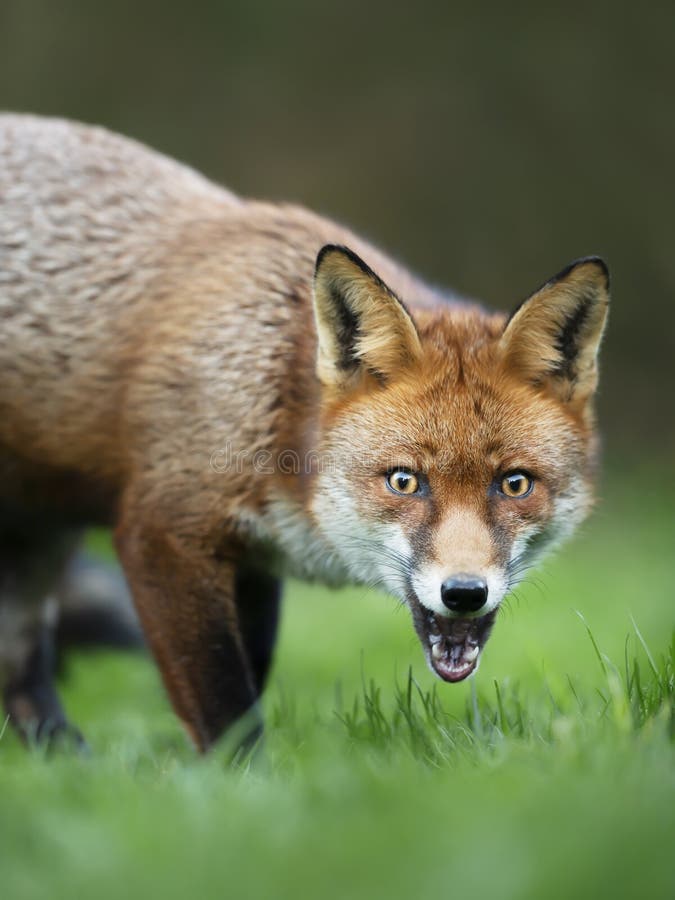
96 609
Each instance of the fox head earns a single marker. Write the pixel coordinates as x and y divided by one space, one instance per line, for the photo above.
458 446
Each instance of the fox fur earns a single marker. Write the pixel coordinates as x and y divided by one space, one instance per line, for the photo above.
243 390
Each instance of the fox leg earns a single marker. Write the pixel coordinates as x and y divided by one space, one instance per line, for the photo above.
30 568
258 597
185 599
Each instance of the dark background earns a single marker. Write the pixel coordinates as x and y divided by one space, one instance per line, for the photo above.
485 144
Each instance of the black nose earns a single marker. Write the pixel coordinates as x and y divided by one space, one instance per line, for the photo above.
464 593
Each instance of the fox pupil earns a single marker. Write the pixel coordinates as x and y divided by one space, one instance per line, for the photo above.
402 482
516 485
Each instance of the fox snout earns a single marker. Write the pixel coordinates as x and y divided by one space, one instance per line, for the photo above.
464 594
454 613
460 572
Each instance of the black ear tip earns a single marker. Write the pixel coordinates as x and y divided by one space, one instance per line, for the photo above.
326 250
340 250
599 262
596 261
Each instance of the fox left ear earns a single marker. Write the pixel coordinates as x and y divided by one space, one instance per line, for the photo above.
362 326
552 339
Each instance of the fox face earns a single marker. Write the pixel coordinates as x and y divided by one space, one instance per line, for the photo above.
457 447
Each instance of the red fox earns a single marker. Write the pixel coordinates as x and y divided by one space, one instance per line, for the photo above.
243 391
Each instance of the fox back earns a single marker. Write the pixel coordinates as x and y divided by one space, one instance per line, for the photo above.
244 390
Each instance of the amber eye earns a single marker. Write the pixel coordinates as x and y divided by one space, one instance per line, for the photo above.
402 482
516 484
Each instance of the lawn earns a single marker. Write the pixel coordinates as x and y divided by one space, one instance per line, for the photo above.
548 775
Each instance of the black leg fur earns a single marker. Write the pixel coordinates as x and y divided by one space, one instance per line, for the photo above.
258 597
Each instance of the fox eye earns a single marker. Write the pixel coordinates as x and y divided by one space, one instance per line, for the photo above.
402 482
516 484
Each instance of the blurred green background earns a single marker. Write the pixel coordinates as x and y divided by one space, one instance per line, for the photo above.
485 144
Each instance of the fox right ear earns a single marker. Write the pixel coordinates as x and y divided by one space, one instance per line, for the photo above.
552 339
363 328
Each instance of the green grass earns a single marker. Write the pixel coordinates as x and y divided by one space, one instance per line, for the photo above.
549 775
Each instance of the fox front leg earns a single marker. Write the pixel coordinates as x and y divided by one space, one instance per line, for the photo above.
185 599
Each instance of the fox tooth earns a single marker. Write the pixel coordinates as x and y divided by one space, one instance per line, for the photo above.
437 650
471 654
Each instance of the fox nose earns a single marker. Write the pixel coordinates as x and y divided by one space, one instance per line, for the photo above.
464 593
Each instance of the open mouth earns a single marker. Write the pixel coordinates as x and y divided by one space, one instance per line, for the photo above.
452 645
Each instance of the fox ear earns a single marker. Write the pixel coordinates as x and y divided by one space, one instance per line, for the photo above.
363 328
552 339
